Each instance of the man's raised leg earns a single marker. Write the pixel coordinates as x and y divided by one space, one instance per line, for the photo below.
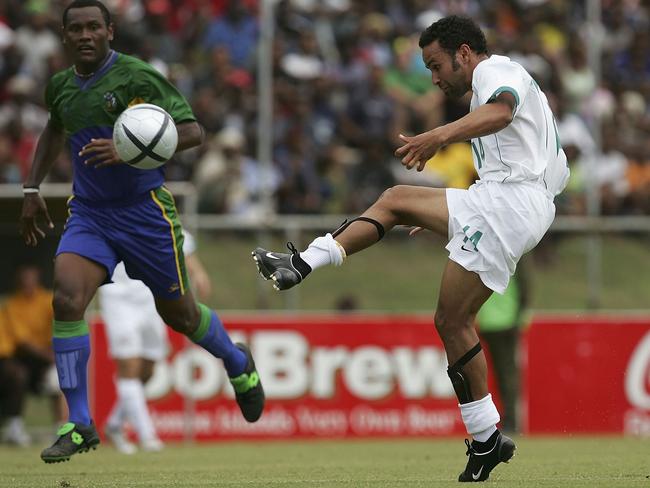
400 205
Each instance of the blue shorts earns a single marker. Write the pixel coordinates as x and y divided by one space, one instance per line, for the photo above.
145 233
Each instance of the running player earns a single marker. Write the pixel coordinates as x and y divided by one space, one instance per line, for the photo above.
117 213
521 167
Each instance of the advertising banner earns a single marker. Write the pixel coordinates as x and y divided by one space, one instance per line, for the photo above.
330 376
386 375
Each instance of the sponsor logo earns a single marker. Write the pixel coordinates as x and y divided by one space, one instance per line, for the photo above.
478 474
290 368
637 376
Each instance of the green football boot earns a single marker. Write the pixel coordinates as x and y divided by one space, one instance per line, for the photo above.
73 438
248 389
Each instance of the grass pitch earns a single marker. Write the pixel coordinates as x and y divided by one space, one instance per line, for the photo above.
571 462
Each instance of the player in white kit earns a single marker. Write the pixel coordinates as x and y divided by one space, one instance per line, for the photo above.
137 339
521 167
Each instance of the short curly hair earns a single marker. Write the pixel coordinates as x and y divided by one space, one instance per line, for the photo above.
453 31
87 3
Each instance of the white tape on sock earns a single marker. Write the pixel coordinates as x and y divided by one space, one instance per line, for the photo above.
479 415
322 251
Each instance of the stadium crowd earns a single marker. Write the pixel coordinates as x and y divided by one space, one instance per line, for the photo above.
348 78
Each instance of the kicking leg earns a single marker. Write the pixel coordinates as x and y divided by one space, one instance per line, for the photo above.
462 295
203 326
76 280
400 205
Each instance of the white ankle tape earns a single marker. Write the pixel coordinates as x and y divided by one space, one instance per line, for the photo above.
322 251
479 415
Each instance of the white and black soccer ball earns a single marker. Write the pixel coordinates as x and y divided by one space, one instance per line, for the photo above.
145 136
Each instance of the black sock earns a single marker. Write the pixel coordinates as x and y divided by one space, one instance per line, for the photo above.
487 445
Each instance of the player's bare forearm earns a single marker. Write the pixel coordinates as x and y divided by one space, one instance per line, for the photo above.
190 134
487 119
48 148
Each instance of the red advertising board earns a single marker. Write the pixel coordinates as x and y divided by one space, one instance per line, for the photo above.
385 375
329 376
589 374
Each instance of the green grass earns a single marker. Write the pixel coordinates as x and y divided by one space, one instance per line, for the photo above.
403 274
569 462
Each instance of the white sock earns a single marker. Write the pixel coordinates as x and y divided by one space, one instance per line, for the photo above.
116 416
322 251
480 418
131 394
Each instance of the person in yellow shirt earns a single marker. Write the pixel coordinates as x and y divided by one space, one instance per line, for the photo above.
28 317
453 166
13 386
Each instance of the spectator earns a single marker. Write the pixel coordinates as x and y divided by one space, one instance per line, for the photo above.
236 29
13 387
228 181
27 315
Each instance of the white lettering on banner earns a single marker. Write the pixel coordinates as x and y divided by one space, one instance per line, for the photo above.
281 359
368 373
289 368
637 376
325 362
365 420
160 382
422 371
223 421
188 383
322 422
423 421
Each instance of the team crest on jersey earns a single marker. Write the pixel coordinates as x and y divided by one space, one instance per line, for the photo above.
110 102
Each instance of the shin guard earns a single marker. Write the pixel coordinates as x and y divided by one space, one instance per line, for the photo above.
460 382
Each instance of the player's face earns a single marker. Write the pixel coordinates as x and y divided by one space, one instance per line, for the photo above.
447 72
86 36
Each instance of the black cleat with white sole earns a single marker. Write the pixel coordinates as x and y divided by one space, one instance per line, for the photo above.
286 270
484 456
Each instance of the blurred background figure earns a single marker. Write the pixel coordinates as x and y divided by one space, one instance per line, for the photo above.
499 321
27 363
229 181
137 338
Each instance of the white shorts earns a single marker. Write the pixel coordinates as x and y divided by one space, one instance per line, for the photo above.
493 224
134 329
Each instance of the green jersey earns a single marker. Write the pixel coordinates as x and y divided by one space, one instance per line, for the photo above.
86 108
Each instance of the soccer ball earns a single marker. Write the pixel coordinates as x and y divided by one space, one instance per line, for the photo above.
145 136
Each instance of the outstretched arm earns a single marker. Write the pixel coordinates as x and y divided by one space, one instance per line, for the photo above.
486 119
48 148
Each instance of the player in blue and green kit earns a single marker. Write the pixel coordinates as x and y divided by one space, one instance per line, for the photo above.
117 213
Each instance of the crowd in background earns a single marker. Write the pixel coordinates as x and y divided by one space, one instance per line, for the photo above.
348 78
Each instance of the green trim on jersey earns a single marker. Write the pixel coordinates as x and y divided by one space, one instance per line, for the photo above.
127 82
165 201
505 89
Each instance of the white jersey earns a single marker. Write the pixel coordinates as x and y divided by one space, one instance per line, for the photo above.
528 149
127 290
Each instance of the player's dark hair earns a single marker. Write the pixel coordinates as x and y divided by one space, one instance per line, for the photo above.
453 31
88 3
